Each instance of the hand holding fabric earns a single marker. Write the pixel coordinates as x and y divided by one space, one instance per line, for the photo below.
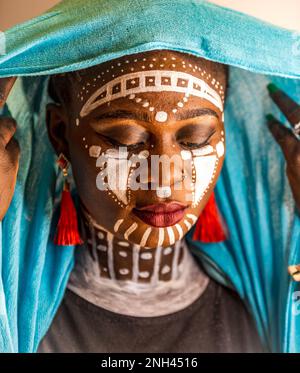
288 140
9 151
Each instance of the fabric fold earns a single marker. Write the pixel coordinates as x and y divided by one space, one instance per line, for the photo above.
253 192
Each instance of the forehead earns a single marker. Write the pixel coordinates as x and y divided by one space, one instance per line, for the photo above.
155 71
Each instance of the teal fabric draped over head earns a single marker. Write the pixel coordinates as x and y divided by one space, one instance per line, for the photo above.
253 192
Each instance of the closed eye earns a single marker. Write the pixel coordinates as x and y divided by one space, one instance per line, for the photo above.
116 144
190 145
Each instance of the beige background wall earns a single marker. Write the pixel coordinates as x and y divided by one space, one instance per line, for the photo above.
283 13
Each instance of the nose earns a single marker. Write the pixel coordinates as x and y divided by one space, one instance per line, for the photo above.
165 168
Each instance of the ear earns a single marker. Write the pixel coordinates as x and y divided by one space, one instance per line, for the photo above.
57 125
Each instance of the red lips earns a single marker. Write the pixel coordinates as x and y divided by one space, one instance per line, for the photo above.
161 214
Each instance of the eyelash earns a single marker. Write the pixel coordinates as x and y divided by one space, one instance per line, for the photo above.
117 144
132 147
191 145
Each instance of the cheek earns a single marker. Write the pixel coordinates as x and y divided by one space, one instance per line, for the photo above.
83 155
205 171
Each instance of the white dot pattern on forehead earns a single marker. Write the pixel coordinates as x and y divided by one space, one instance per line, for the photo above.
152 81
161 116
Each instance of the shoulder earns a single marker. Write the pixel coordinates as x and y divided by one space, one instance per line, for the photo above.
233 318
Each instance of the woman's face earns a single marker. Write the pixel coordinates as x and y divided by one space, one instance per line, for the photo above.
145 137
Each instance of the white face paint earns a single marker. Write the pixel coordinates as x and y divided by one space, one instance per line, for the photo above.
220 149
204 160
205 169
161 116
120 289
204 165
153 81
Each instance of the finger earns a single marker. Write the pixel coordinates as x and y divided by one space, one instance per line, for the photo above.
294 179
6 85
284 137
8 128
13 150
286 104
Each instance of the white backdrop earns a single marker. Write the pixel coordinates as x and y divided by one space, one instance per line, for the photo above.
283 13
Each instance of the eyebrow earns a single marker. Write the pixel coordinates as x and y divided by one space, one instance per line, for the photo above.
145 117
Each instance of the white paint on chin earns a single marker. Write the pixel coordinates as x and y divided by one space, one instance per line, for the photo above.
117 225
192 217
171 235
131 229
145 237
180 231
161 236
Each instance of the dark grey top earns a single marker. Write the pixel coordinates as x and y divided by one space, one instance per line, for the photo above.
216 322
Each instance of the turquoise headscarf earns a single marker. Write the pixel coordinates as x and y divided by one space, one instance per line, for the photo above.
253 192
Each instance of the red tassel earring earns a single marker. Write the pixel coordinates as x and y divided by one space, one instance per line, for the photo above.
67 233
209 227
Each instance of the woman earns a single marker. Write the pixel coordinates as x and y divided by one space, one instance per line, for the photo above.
87 126
135 261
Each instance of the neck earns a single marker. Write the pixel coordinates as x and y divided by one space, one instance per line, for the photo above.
133 280
120 260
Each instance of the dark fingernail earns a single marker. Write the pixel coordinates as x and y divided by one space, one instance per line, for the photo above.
272 88
270 118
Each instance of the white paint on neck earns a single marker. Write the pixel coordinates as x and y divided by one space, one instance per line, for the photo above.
153 299
155 275
135 260
110 256
175 260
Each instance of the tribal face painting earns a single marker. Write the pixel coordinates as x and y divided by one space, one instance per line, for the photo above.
128 118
